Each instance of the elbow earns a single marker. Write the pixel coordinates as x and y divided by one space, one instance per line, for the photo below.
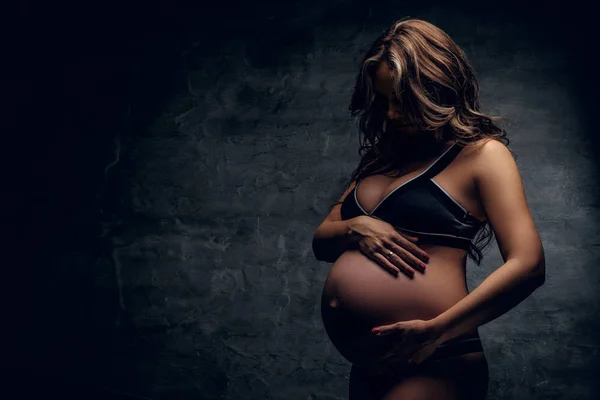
538 272
541 268
540 277
536 266
317 250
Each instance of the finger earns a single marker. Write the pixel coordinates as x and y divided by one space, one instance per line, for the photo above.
410 237
413 248
414 262
416 359
405 235
402 354
401 241
387 329
404 255
396 263
394 260
385 263
372 252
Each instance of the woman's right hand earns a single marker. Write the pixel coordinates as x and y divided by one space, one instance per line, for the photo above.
376 238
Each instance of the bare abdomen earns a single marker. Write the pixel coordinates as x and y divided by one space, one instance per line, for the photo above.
359 294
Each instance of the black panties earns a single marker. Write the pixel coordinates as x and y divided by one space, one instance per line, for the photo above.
451 348
457 346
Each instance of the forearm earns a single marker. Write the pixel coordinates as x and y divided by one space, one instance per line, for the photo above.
332 238
501 291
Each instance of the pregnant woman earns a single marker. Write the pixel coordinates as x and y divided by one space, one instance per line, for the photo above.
435 181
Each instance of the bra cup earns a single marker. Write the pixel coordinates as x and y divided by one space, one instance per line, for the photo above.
422 209
349 208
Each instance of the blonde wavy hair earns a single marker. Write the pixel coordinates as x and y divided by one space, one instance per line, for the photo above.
437 92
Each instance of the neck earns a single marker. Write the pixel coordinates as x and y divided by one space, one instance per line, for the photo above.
418 147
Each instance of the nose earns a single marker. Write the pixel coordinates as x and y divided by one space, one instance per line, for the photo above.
392 113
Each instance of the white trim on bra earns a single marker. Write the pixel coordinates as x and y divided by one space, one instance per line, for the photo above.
437 234
401 185
450 197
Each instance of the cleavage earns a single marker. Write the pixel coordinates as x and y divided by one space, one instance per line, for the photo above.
371 196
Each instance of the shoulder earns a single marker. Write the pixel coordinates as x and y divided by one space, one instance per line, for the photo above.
493 154
484 146
489 146
488 153
495 169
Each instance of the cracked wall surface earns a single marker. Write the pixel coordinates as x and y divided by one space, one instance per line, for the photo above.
184 267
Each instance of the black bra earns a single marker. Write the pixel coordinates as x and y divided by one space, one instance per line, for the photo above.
421 207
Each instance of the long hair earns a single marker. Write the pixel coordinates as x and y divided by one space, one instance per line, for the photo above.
437 92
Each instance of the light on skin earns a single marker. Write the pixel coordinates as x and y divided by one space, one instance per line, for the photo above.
415 143
384 86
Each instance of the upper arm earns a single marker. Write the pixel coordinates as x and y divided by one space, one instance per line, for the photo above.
335 213
503 198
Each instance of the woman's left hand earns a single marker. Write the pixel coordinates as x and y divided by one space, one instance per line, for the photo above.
417 340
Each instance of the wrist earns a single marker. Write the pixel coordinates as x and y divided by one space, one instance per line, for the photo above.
437 327
351 233
354 223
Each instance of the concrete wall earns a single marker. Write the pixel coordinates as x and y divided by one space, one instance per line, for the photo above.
180 161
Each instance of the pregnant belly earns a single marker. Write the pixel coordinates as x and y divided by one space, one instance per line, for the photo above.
359 294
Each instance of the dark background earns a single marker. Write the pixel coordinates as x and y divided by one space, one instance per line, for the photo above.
164 169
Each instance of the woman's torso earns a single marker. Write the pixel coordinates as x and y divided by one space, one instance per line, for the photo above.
359 293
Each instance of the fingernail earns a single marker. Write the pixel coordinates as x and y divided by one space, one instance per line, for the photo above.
375 330
423 265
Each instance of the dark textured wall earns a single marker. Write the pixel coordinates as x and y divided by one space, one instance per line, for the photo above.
167 169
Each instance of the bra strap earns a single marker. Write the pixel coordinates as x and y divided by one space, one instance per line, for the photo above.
443 161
